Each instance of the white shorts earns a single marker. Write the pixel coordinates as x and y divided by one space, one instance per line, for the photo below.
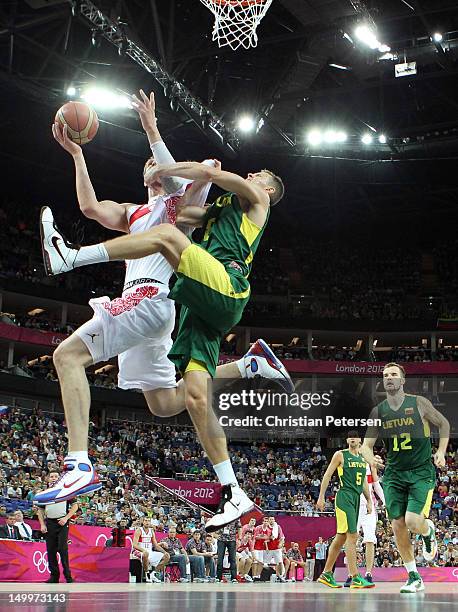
154 557
259 555
368 523
273 556
137 328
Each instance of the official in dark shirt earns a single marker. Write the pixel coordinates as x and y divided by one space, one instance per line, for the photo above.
54 524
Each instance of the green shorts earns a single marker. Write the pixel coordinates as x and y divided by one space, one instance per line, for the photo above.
409 490
213 301
347 510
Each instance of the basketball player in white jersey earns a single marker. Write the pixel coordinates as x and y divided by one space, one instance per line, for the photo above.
367 522
146 548
137 326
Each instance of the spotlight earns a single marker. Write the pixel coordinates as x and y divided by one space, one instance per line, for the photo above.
366 139
382 139
367 36
71 91
105 99
246 123
341 136
314 137
330 136
437 37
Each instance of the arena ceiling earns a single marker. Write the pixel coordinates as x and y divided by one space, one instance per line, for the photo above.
287 81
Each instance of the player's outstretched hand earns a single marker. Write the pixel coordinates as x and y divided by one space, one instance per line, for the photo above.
146 109
152 174
439 459
378 462
61 135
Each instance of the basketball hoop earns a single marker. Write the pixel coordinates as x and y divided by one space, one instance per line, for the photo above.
236 22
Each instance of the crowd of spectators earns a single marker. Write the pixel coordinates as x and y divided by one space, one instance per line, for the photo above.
340 281
281 479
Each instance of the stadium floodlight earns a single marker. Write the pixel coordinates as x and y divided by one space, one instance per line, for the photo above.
382 139
314 137
71 91
246 123
330 136
341 136
437 37
366 139
105 99
368 36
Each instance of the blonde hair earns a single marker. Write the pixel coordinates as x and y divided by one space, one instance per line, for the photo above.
279 186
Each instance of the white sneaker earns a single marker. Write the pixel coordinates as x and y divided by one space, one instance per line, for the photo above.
281 579
154 578
291 580
78 478
234 504
430 552
184 580
58 254
248 578
414 583
261 361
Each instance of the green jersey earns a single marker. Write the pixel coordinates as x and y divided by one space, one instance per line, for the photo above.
352 472
405 434
230 236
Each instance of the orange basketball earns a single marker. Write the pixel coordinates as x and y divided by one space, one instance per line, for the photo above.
81 121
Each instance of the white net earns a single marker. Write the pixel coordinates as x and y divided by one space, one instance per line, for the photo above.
236 22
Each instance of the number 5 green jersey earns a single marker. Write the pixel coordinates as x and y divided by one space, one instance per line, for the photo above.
352 472
405 434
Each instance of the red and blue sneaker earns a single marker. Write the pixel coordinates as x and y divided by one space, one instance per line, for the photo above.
78 478
261 361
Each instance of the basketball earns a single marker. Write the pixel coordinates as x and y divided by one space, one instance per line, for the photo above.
81 121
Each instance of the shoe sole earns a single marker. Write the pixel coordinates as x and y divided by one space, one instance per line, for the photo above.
366 586
278 363
88 489
46 258
213 528
331 586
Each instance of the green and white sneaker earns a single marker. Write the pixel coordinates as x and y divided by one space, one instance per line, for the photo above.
358 582
430 543
328 579
414 584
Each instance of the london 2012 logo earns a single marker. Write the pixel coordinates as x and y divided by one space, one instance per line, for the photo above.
40 561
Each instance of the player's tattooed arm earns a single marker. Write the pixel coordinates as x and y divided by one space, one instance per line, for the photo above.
433 416
337 459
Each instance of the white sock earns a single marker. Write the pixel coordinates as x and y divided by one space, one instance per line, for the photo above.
411 566
241 366
80 455
225 473
93 254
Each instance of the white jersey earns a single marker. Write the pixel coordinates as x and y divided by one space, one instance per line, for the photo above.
158 210
371 490
146 538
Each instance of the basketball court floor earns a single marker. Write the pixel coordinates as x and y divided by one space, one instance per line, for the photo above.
265 597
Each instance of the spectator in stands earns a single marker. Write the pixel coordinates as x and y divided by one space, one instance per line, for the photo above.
9 530
25 531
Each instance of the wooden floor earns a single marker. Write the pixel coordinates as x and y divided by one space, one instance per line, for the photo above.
264 597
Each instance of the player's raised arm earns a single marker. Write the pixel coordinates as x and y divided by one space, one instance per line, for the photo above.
146 109
430 414
106 212
337 459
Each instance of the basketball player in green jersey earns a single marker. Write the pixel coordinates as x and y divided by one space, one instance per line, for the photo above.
351 468
212 287
409 478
